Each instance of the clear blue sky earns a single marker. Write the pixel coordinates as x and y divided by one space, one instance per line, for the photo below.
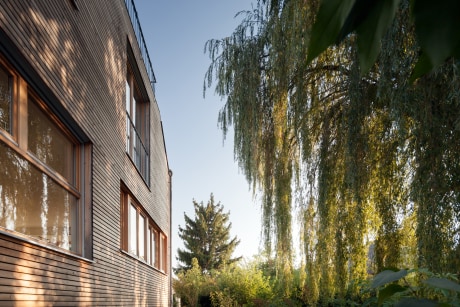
175 32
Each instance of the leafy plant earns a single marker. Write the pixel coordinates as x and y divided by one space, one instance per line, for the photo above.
436 24
245 284
233 285
191 284
395 288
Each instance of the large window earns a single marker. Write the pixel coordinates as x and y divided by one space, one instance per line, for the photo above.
43 177
137 125
141 238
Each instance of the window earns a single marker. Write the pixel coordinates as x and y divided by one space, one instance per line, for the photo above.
137 125
153 248
163 253
141 237
43 182
5 99
132 229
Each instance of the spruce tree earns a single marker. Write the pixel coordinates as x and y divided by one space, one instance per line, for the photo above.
207 238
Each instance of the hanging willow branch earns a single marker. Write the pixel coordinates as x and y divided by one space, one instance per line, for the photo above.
370 158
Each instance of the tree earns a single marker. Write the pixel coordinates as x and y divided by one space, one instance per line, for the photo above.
207 238
366 156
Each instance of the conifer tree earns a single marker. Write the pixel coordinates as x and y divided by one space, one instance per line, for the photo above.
207 238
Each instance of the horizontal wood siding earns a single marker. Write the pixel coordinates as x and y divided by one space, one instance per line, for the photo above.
81 57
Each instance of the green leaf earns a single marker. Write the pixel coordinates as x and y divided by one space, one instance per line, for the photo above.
443 283
388 292
371 30
437 26
387 276
329 21
359 12
422 67
415 302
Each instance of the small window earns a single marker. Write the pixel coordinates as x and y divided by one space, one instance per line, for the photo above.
137 126
154 248
43 181
163 253
141 237
132 225
5 99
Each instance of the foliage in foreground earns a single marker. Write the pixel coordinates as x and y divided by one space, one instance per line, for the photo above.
436 24
255 285
231 286
418 287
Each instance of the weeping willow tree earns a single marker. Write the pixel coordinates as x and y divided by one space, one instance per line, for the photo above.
371 160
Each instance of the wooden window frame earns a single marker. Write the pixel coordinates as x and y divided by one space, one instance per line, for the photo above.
79 186
155 255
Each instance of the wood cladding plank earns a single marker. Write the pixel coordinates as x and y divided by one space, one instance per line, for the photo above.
34 268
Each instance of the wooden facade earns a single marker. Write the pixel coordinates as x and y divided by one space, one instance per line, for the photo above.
75 61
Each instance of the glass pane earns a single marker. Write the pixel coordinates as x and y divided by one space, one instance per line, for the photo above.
128 133
149 246
128 98
141 237
135 155
33 204
140 122
133 115
128 117
132 230
49 144
5 100
154 249
162 253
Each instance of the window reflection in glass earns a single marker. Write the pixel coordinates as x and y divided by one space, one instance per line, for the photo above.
5 100
33 204
141 237
162 252
154 248
48 143
128 115
132 232
128 98
149 246
137 127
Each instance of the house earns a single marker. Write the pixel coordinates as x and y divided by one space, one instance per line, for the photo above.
85 185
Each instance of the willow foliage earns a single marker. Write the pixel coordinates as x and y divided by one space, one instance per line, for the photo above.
371 161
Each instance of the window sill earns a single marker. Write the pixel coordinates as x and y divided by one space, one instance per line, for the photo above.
35 242
142 261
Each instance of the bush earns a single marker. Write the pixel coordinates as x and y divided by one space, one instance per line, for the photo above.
244 285
231 286
190 285
418 287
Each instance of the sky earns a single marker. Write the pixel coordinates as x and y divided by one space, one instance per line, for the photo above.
175 32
